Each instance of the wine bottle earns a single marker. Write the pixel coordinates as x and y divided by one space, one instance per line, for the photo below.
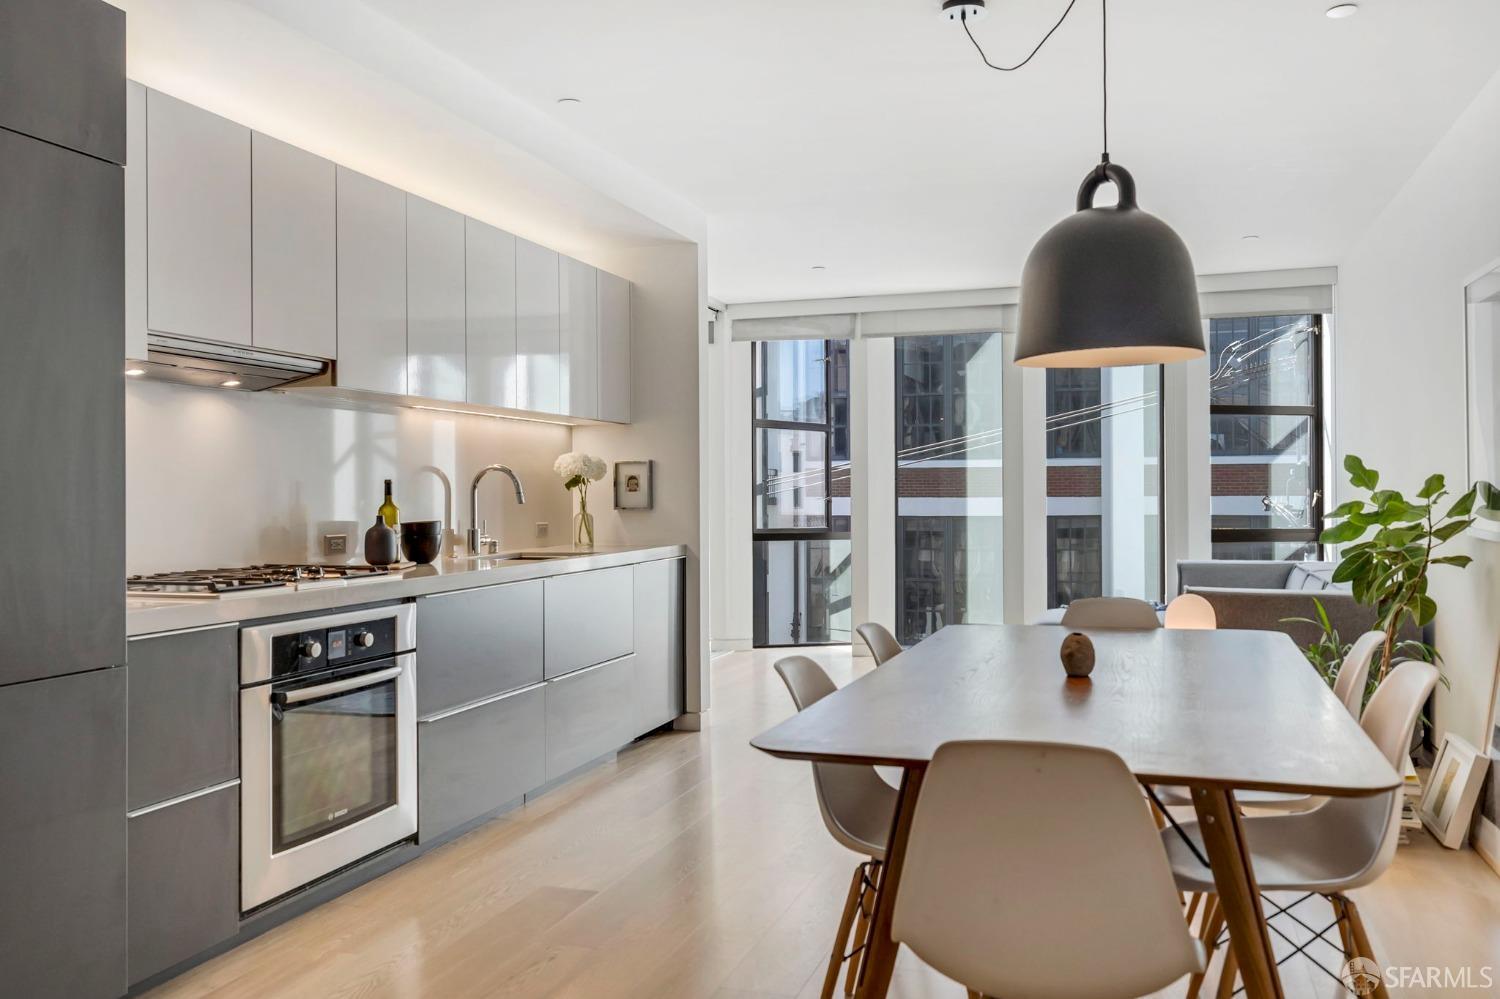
388 511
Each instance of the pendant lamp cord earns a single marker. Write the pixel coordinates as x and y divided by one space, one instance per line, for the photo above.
1104 44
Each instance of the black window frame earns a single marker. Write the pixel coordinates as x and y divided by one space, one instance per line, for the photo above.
1314 413
830 426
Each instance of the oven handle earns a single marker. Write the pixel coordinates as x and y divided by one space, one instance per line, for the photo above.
283 698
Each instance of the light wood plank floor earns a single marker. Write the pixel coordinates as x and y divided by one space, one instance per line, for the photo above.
694 866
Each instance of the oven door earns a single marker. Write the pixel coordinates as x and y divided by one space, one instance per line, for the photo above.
328 774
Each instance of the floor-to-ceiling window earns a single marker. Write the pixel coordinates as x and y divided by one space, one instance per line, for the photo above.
948 482
1104 483
800 482
1265 431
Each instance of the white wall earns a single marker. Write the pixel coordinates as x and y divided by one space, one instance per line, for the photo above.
1399 365
215 478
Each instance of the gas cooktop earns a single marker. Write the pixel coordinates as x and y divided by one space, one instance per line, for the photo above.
240 580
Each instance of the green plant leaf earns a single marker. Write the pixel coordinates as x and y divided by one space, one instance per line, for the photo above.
1345 509
574 482
1359 475
1463 506
1425 609
1431 487
1451 529
1340 533
1350 567
1462 561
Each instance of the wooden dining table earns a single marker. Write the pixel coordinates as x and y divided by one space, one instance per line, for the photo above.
1217 711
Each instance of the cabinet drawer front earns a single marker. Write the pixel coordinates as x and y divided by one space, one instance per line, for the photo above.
184 714
475 760
477 644
589 713
659 646
590 618
184 880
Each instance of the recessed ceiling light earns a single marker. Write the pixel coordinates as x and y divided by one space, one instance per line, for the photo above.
819 267
1251 238
570 100
135 372
1340 10
231 383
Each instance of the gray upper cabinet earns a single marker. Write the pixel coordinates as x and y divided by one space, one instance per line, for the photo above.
538 349
184 714
62 834
579 337
135 221
434 301
198 222
590 618
614 348
61 63
660 662
371 284
294 294
490 314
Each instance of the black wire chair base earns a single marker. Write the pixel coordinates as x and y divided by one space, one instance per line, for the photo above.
1318 936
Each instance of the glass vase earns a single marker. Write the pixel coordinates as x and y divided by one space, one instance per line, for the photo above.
583 528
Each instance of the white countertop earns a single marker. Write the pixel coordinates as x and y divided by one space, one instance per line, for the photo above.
149 616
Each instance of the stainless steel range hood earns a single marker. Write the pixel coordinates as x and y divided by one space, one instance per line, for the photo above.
218 365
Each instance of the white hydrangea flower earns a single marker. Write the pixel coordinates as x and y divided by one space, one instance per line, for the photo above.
596 468
576 464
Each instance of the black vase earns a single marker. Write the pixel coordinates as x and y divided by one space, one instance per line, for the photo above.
380 544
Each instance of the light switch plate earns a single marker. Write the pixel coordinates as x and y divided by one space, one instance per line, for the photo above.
335 544
541 528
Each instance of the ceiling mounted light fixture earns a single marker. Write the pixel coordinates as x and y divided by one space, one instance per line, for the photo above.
1342 10
1105 286
570 100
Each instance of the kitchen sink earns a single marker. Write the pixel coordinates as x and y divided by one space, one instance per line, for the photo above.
517 557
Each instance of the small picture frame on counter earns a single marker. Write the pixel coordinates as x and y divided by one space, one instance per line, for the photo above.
634 485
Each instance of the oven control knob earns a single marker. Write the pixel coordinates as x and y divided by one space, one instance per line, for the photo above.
311 649
364 639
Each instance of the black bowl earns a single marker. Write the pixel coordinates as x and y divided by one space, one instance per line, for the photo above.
422 540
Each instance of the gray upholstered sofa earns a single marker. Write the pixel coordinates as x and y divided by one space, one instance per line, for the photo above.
1262 596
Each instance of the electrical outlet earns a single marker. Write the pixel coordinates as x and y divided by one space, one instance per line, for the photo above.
541 529
335 544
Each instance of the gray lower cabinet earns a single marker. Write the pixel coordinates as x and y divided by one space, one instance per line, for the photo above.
659 651
590 618
478 643
62 834
184 713
589 713
473 760
184 880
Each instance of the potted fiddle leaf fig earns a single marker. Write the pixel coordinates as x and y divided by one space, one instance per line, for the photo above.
1393 543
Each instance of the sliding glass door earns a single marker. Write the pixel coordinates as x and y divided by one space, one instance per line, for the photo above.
800 492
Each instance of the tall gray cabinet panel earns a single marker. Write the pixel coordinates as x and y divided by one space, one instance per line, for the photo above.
197 222
614 348
434 301
478 643
62 837
490 314
184 714
184 880
293 283
61 67
62 602
538 350
659 650
372 284
579 338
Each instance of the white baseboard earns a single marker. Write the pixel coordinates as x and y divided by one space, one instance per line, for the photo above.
1487 842
717 645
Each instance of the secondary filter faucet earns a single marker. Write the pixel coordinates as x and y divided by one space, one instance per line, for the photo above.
473 542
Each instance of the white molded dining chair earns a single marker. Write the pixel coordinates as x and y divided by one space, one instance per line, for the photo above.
1111 612
882 644
857 807
1069 897
1190 611
1339 846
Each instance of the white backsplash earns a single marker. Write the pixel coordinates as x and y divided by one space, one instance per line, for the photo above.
218 478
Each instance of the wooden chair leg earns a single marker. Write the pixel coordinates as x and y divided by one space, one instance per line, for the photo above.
1229 975
836 960
1208 934
1194 898
1362 941
861 931
1343 924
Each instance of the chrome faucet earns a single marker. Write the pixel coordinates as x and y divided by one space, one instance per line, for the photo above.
473 542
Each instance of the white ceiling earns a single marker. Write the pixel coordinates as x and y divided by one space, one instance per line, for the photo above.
864 135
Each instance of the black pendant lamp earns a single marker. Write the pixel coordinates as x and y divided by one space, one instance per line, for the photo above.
1108 286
